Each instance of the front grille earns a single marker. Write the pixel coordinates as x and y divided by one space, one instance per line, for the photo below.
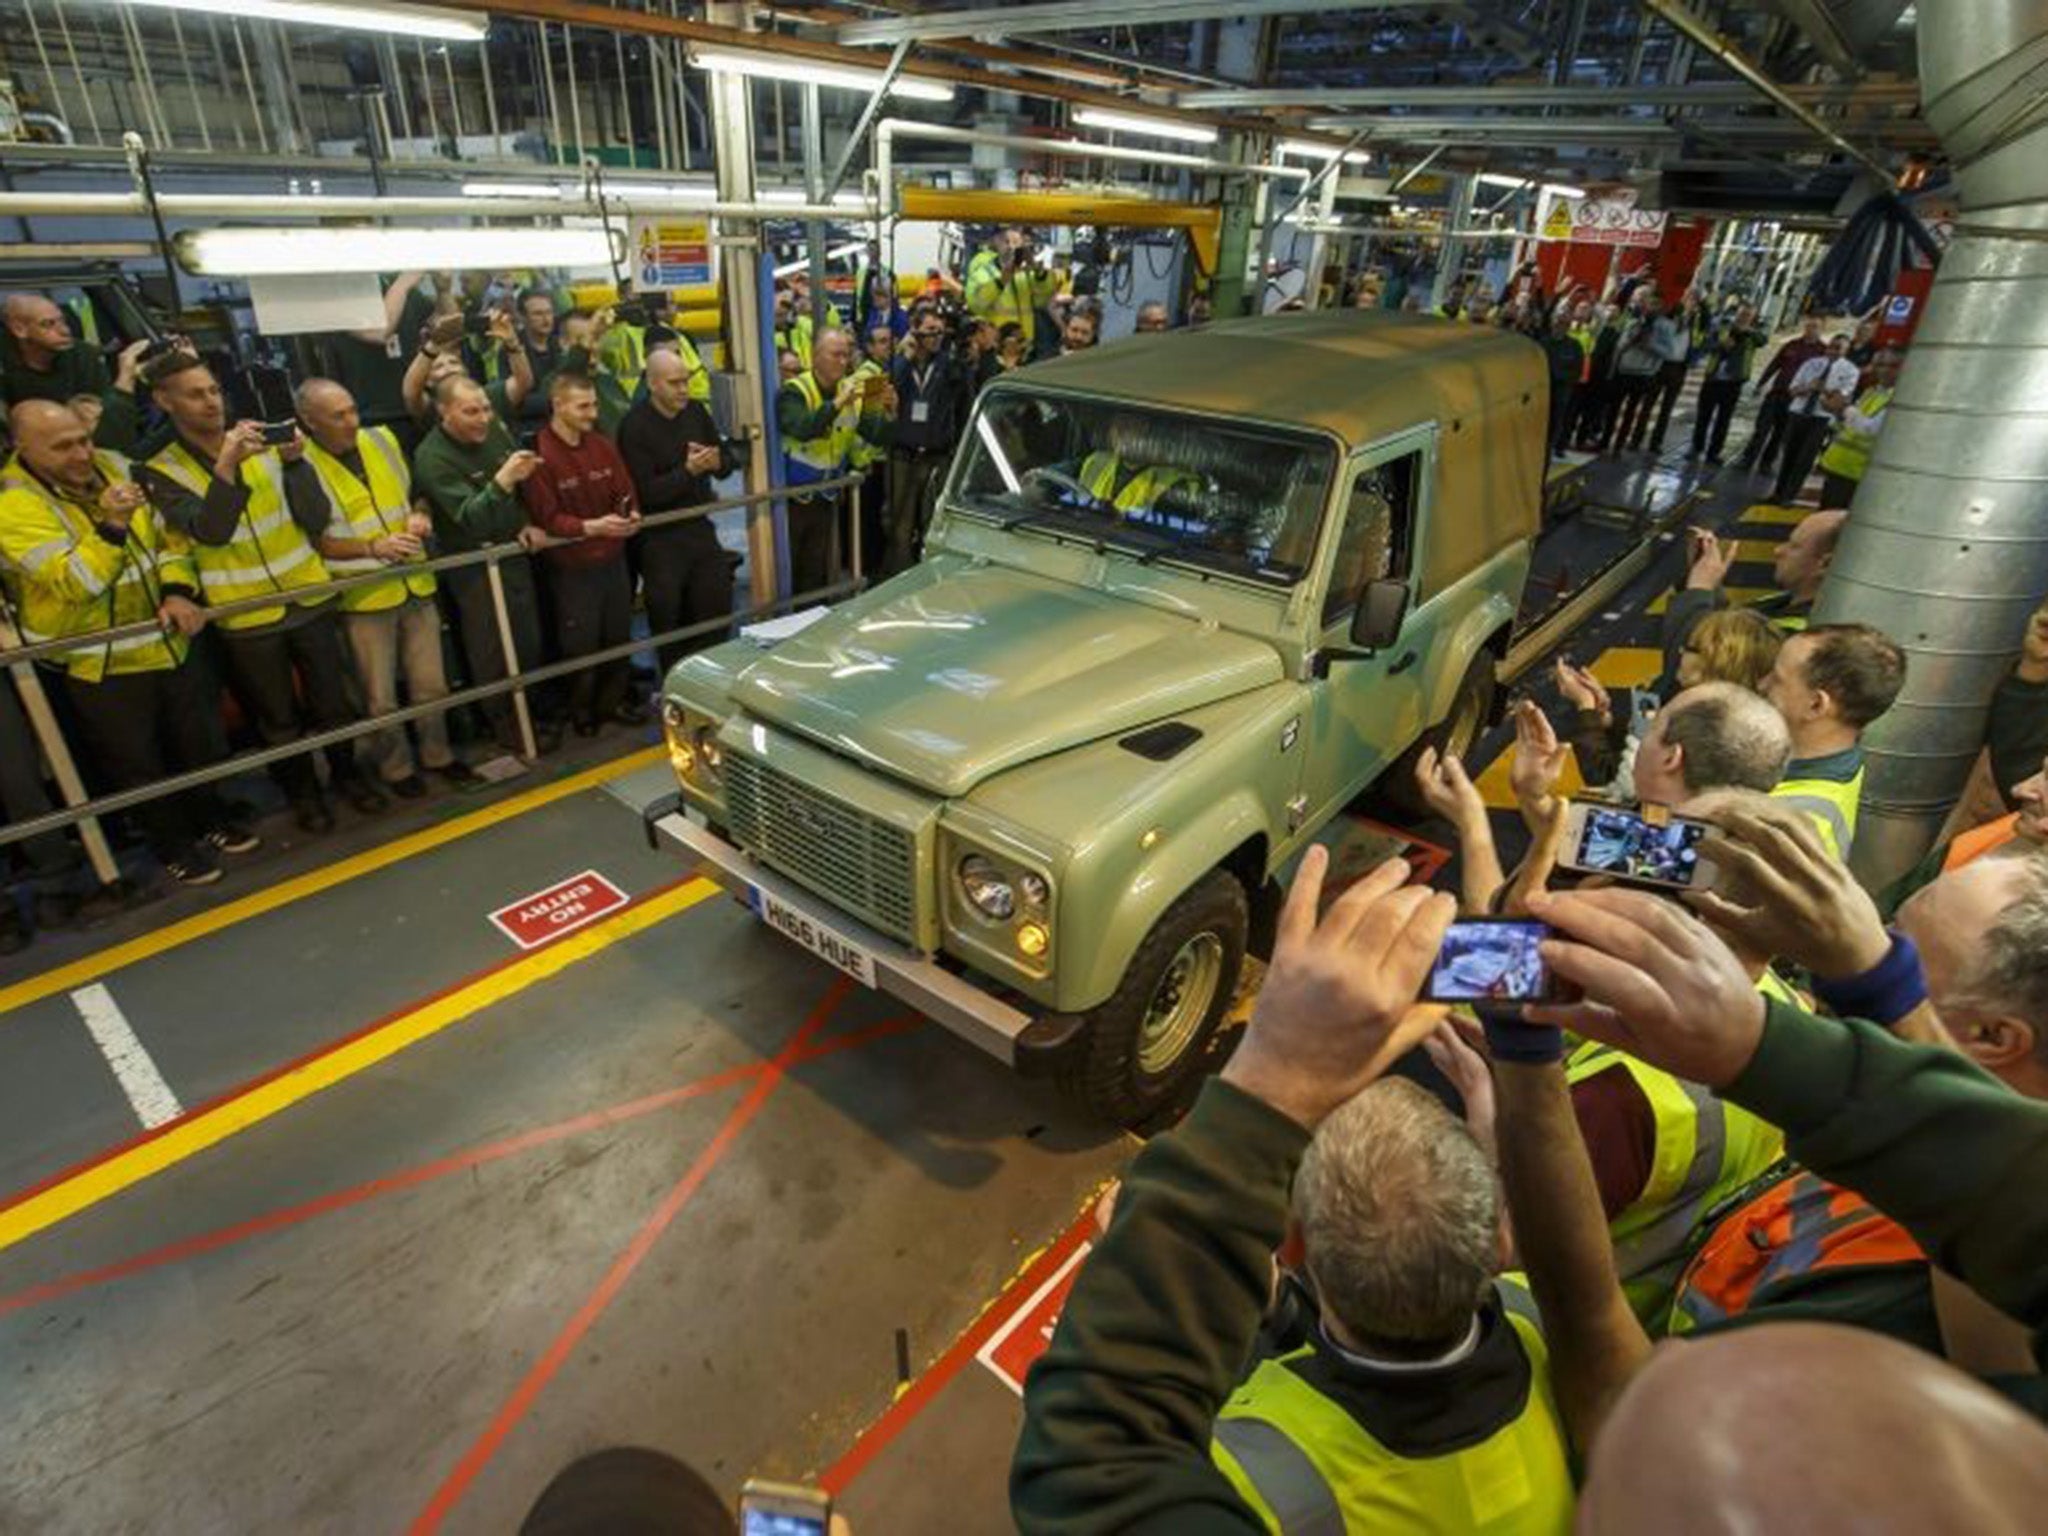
863 865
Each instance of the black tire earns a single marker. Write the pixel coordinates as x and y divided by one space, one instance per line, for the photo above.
1459 731
1110 1075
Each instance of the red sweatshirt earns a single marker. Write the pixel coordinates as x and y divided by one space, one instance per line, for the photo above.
574 484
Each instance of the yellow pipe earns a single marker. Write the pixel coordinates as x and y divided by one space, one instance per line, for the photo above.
1204 225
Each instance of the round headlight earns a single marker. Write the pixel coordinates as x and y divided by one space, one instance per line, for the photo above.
984 886
706 739
1034 889
672 714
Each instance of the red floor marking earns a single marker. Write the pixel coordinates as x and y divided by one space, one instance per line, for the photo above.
507 1419
424 1173
918 1396
107 1154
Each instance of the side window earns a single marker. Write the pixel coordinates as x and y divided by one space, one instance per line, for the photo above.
1378 536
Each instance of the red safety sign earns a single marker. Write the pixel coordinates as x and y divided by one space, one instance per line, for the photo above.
534 920
1022 1337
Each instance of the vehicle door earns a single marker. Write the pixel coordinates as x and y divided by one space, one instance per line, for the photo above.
1366 705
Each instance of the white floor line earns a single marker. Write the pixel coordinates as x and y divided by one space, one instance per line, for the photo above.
145 1086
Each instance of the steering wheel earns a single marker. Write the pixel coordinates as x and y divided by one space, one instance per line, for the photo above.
1066 482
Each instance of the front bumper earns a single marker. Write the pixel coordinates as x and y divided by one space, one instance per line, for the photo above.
977 1016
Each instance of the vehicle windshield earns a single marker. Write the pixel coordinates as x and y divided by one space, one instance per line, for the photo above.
1242 499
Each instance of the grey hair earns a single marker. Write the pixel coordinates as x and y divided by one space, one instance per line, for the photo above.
2011 970
1733 738
1400 1216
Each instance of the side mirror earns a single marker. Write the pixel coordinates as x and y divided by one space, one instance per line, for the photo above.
1376 622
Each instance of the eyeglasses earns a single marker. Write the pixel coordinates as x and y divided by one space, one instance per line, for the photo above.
929 335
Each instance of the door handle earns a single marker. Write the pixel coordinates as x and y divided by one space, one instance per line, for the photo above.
1401 663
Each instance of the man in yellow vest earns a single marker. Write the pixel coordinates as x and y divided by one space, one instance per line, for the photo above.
359 479
1847 454
82 549
1113 476
222 488
1799 567
1006 285
821 415
1829 682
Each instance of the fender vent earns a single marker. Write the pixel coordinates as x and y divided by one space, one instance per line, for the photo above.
1160 742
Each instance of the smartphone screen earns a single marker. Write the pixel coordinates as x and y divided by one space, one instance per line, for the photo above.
756 1521
1490 960
783 1509
1623 844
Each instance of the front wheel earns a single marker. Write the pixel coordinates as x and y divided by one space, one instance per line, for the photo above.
1453 736
1139 1048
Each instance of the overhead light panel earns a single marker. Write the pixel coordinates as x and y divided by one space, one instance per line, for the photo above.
1554 188
1157 127
1310 149
368 248
511 189
796 71
354 15
839 199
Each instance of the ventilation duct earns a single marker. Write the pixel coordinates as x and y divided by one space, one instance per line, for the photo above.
1947 545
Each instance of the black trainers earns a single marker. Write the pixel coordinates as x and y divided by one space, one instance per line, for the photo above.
196 866
313 815
411 787
459 773
364 796
230 837
632 712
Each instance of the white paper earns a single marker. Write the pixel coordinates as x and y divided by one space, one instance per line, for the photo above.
768 631
333 301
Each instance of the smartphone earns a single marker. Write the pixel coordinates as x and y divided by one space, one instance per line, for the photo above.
529 440
1606 840
476 324
1491 960
280 433
783 1509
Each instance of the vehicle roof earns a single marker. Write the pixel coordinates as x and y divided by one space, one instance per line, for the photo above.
1358 373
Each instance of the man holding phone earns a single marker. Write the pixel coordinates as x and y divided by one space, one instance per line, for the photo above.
223 488
821 414
582 494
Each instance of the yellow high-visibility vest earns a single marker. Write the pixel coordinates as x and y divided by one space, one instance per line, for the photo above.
826 456
1832 803
1848 452
269 551
65 579
369 512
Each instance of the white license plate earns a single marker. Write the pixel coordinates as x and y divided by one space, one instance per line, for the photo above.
834 948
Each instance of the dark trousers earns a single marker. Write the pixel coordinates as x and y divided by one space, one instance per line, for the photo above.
870 499
1718 398
1805 436
1667 384
593 612
48 856
813 542
1563 393
1836 491
1631 418
910 488
685 578
483 653
1593 412
138 727
1768 435
273 669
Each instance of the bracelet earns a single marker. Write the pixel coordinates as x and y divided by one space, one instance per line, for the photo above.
1885 993
1510 1037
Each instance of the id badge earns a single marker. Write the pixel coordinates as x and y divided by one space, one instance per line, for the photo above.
920 411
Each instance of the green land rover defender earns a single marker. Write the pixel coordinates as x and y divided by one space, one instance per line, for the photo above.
1182 599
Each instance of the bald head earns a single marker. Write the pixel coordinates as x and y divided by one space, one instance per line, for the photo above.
1803 559
668 381
56 444
1712 736
831 356
1780 1426
329 414
38 328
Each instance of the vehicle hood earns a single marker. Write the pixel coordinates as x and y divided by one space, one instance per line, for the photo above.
944 677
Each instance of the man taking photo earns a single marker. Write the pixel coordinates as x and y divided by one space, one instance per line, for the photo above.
932 391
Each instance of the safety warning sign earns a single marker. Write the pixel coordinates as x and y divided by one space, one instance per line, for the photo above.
671 253
1014 1347
534 920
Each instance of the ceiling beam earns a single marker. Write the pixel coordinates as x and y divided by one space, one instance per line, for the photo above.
1089 15
1817 24
1712 94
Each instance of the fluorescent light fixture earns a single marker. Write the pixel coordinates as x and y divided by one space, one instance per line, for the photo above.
1554 188
839 199
355 15
782 66
367 248
1158 127
511 189
1309 149
836 253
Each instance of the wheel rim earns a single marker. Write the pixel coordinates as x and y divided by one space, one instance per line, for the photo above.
1180 1003
1464 728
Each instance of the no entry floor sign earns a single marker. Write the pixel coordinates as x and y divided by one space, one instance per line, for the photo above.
534 920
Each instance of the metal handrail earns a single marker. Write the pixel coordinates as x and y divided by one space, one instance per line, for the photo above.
88 811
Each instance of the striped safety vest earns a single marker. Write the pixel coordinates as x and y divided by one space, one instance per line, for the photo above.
64 579
369 512
1101 470
1848 454
1832 803
1705 1149
990 298
1308 1468
269 552
825 457
861 453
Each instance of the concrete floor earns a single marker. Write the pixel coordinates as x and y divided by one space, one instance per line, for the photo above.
669 1183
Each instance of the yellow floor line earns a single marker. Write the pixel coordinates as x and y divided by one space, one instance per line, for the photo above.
1620 666
77 973
1764 515
209 1127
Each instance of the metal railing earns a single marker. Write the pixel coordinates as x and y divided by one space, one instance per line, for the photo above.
84 811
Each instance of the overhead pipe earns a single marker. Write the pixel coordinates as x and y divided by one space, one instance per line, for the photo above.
893 128
1947 545
202 205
